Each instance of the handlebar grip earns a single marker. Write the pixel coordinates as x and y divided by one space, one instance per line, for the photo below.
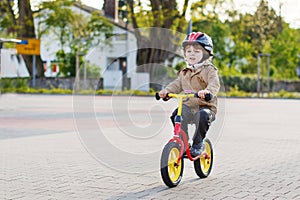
208 97
157 97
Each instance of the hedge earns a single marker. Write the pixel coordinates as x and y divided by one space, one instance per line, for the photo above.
244 83
247 84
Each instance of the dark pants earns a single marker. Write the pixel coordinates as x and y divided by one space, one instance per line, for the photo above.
202 119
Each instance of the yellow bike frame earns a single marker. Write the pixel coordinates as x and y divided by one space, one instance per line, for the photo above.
180 97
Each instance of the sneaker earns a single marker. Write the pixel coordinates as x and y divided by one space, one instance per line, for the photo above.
197 150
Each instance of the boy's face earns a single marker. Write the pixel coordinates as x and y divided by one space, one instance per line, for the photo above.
193 54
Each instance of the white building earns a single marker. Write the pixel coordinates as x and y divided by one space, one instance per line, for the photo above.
12 64
117 61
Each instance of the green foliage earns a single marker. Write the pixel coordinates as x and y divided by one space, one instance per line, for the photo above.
104 92
96 26
157 24
243 83
56 17
13 85
284 49
76 31
180 66
8 21
284 94
67 63
235 89
92 71
239 39
235 92
171 72
246 84
228 71
55 91
263 26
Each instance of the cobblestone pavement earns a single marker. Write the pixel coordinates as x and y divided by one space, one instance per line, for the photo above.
42 155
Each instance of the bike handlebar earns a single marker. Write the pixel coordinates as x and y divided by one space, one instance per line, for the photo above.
208 96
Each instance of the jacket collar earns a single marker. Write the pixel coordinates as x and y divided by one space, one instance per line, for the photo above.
196 66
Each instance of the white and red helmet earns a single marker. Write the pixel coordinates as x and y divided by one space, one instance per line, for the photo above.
201 38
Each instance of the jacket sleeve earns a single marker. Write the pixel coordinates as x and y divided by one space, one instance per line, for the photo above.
175 86
213 82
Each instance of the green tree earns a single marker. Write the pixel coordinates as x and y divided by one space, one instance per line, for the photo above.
205 17
240 53
284 50
259 29
263 26
241 37
56 17
73 30
8 21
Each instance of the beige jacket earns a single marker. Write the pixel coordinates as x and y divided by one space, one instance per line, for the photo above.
204 77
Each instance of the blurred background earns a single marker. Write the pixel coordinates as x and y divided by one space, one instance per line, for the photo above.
135 45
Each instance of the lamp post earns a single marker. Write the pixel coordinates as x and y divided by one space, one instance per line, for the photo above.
298 68
260 74
77 70
125 82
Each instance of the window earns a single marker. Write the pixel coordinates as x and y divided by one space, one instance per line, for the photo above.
116 36
120 37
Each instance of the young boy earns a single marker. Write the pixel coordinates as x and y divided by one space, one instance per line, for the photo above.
199 76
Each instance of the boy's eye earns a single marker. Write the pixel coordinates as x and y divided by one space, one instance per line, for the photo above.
195 51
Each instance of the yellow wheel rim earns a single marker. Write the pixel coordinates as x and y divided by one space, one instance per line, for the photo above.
174 169
204 161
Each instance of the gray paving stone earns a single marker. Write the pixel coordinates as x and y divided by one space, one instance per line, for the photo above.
257 155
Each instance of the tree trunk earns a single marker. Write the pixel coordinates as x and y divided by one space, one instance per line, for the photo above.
26 30
160 43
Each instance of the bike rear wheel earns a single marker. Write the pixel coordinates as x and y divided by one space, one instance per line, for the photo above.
203 165
171 170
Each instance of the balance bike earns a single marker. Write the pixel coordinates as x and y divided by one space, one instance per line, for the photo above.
177 148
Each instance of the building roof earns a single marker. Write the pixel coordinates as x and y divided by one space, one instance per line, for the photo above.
89 9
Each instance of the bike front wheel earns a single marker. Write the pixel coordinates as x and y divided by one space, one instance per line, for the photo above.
203 165
171 170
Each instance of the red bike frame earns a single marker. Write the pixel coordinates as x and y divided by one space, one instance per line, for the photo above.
179 132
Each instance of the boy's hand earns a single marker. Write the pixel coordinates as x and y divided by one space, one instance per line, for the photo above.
163 94
202 93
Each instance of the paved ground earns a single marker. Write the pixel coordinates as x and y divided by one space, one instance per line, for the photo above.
81 147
